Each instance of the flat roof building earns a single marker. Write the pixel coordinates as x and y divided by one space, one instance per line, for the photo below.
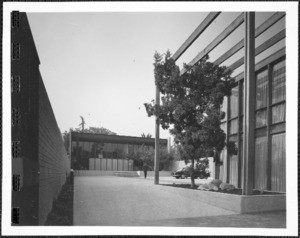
91 151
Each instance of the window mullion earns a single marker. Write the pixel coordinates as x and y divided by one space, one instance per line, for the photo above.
239 132
269 121
227 140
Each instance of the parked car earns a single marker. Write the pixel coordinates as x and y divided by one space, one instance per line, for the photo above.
185 173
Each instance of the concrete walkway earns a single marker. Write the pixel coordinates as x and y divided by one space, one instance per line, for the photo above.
120 201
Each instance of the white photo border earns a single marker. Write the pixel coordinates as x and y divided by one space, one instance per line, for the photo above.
291 9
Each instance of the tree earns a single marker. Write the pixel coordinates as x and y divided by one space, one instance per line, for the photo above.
191 103
100 130
94 130
66 139
146 155
146 136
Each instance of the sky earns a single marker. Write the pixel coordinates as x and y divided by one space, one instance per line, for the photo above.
99 65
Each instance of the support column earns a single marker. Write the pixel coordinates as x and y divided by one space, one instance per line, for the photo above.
249 104
126 152
156 155
269 118
227 169
239 142
70 149
77 150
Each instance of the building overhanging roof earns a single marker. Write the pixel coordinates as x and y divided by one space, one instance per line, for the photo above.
92 137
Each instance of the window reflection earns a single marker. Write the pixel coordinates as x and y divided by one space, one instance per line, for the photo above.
261 118
278 82
278 92
233 107
278 113
233 126
261 89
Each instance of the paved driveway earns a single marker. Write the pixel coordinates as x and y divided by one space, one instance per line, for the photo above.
120 201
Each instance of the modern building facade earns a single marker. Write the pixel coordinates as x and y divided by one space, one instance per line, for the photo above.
269 162
255 111
91 151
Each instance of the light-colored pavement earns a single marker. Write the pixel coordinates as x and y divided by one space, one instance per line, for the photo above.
120 201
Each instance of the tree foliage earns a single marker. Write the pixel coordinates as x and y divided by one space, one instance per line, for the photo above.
94 130
146 155
191 105
99 130
146 136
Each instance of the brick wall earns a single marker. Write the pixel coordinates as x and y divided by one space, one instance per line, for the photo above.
40 160
54 164
24 101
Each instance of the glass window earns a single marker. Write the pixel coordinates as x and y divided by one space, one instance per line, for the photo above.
130 149
278 82
120 150
278 92
233 107
105 147
261 89
233 166
278 182
84 155
261 98
136 148
261 159
114 147
278 113
104 150
233 126
233 170
114 150
90 149
224 108
261 118
107 150
94 150
241 161
242 98
73 148
109 147
223 127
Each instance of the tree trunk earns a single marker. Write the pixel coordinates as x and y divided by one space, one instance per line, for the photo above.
192 174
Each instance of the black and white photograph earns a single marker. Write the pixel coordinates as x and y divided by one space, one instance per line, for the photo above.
150 118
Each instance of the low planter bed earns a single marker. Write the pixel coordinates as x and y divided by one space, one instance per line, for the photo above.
237 191
233 200
126 174
62 208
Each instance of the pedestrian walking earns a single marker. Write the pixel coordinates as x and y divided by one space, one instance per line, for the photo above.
145 169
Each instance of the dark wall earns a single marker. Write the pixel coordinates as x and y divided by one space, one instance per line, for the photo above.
54 163
38 154
25 97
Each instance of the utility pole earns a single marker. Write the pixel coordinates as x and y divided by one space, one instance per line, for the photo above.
156 155
82 123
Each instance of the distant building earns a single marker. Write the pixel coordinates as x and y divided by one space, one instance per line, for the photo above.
91 151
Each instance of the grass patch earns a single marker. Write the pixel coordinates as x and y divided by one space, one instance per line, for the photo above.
237 191
62 208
